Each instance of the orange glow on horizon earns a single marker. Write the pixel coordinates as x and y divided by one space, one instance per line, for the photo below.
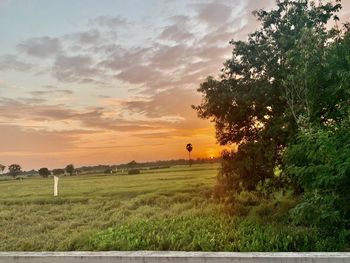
57 149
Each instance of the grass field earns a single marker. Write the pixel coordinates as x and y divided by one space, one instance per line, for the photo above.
166 209
32 219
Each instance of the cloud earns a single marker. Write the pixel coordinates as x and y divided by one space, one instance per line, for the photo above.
121 58
27 111
32 109
84 38
11 62
94 55
89 37
18 139
50 87
140 74
50 92
95 118
213 13
78 68
41 47
175 33
178 31
108 21
252 5
165 103
170 56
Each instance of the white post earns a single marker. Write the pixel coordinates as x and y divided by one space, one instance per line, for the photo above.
55 186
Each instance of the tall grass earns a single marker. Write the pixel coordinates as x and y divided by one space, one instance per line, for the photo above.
32 219
209 233
168 209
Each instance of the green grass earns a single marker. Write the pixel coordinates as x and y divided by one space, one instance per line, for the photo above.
204 233
167 209
32 219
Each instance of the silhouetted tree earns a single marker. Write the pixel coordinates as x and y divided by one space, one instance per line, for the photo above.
14 169
189 148
44 172
2 168
70 169
132 164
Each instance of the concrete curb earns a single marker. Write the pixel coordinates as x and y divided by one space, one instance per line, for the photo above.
171 257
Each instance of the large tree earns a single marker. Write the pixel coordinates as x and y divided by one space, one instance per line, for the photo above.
272 87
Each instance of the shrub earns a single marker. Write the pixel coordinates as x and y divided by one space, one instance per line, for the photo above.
320 164
134 171
58 171
108 171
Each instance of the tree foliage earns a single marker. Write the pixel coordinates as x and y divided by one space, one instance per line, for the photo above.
70 169
270 88
284 99
320 163
44 172
14 169
319 160
58 171
133 163
2 168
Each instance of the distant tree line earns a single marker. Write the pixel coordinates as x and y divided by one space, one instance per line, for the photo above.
16 170
141 165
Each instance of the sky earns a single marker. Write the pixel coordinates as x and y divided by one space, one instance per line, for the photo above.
109 81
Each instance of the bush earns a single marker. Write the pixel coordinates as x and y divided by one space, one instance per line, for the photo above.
58 171
159 167
320 164
134 171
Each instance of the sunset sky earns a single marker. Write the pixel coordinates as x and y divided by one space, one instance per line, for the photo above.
106 82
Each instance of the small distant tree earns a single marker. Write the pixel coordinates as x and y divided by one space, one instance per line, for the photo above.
70 169
132 164
189 148
57 171
14 169
2 168
44 172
